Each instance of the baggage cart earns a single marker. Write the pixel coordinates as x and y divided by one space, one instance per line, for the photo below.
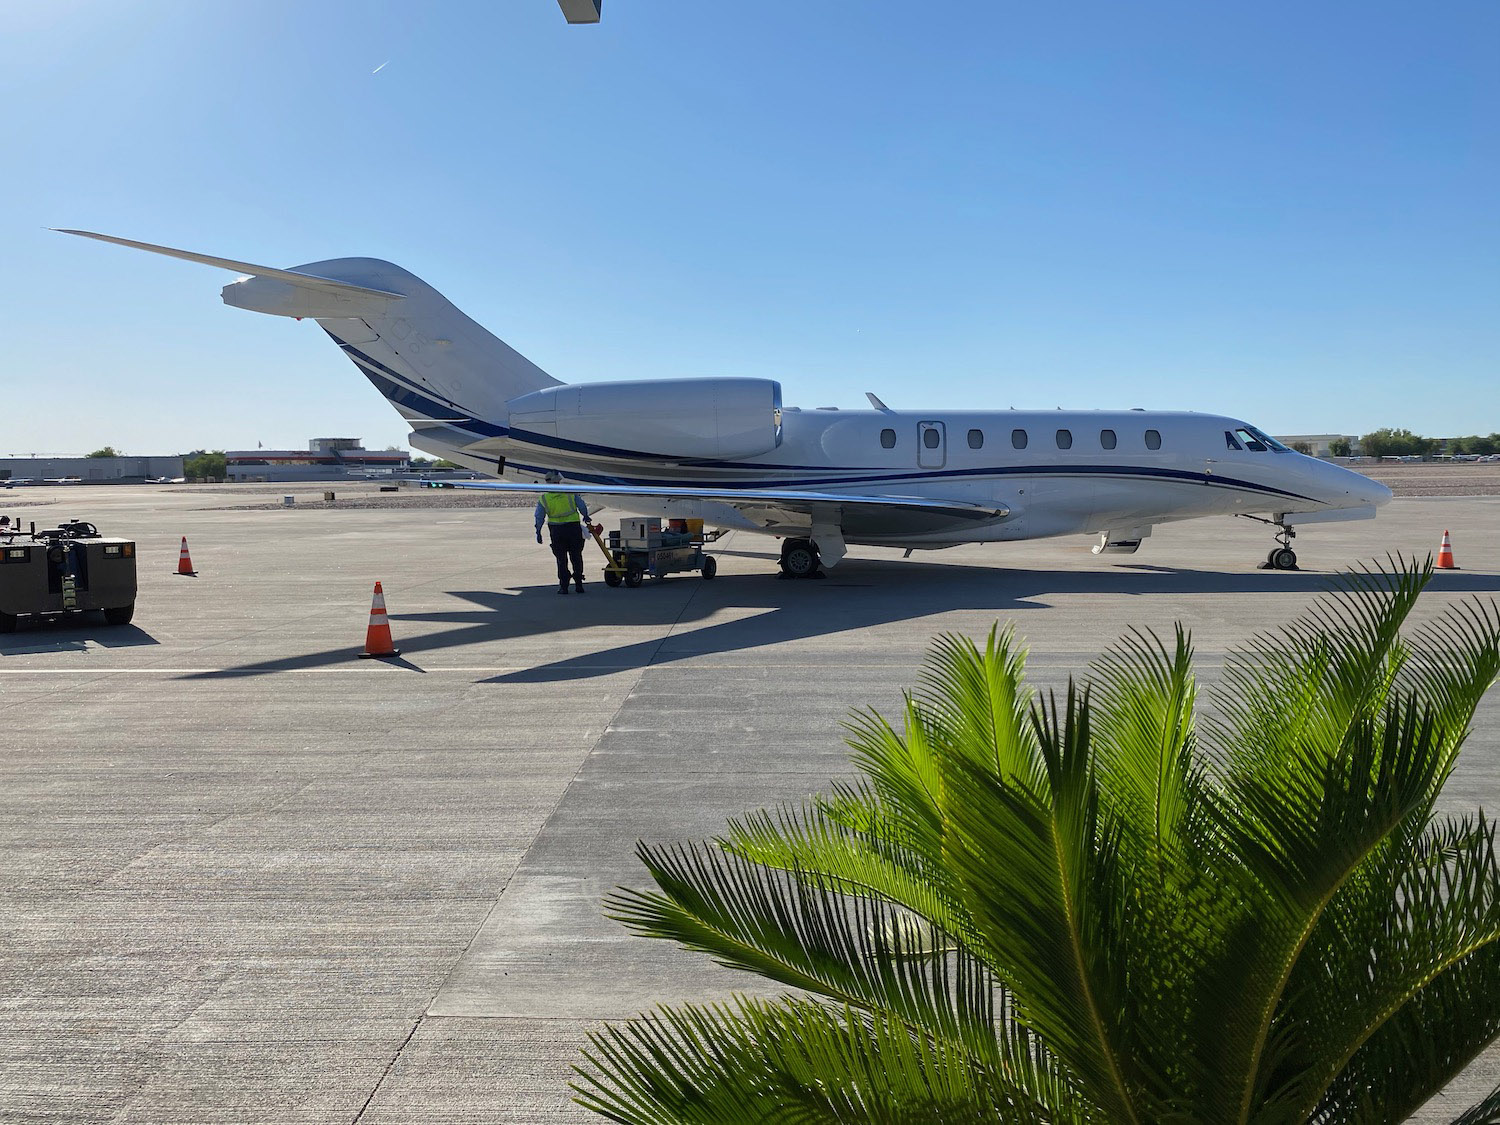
641 548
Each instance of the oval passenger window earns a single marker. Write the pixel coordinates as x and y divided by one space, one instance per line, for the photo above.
1153 439
930 438
976 439
1018 439
888 439
1107 438
1064 439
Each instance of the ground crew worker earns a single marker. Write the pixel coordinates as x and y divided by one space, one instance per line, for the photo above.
564 513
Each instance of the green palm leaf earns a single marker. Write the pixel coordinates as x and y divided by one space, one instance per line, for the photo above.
850 949
1143 732
791 1061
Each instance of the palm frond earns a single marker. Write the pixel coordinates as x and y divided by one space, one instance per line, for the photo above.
768 1062
851 949
1301 688
1142 733
1416 954
1454 660
1302 839
1484 1112
818 844
1043 912
977 703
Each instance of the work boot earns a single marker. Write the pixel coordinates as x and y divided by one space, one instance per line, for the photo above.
563 589
579 587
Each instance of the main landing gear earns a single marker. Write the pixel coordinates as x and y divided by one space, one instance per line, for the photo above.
1280 557
800 559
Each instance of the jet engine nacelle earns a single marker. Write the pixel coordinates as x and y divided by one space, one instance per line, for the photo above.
676 419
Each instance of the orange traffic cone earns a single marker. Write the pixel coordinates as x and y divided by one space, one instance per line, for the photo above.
378 636
1445 555
185 561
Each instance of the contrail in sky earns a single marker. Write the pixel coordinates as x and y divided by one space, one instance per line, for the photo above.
381 67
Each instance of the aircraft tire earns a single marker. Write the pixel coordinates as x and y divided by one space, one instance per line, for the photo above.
799 558
1284 558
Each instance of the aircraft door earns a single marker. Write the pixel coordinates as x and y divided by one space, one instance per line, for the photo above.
932 445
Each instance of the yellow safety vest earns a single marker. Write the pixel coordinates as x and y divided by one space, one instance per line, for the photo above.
560 507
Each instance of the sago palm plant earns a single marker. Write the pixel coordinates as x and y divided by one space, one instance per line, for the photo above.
1105 907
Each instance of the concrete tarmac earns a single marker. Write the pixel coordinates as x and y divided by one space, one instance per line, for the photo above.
251 877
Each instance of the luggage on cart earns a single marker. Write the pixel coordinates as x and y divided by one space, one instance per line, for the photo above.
642 548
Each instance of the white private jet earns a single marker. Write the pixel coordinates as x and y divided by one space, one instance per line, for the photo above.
725 449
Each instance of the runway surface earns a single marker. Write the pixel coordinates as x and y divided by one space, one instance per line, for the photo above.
250 877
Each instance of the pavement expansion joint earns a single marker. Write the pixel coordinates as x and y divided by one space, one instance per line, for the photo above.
390 1066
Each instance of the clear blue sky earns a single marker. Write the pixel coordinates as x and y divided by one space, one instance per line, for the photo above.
1285 211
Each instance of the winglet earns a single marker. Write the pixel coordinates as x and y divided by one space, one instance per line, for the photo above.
293 277
876 403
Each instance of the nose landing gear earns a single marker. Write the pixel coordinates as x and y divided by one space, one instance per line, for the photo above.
1281 557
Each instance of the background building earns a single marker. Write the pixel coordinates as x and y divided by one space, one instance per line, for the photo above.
324 459
89 470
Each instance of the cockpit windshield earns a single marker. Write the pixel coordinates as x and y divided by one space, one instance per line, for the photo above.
1275 446
1257 441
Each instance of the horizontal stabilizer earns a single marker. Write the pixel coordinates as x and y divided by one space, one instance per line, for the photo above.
292 277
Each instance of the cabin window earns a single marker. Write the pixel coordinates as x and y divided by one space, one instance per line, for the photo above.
1018 439
1153 439
1107 439
1064 439
976 439
1252 443
1229 440
887 439
931 437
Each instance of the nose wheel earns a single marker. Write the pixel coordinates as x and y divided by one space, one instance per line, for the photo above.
1280 557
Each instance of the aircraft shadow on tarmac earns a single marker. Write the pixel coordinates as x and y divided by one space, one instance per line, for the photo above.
72 636
862 593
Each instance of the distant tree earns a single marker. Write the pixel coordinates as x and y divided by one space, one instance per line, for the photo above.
204 464
394 449
442 464
1387 442
1475 444
1340 447
1303 447
106 451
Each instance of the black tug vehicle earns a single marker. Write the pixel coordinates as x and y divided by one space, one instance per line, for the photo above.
64 570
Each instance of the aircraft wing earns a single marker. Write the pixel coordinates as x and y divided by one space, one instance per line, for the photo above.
799 500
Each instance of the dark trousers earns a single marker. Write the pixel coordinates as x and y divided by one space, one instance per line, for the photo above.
567 544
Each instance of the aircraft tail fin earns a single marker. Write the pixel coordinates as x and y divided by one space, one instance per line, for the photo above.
419 350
